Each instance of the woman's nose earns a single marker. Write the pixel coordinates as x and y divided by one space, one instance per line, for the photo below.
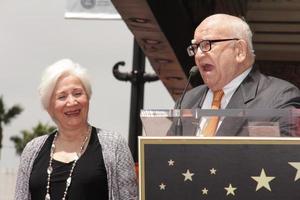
71 100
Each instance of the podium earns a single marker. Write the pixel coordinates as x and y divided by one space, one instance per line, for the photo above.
223 167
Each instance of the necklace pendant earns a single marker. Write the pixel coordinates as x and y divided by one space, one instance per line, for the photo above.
47 197
69 181
49 170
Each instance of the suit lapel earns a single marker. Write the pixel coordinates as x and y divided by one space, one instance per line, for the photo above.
244 94
202 93
190 129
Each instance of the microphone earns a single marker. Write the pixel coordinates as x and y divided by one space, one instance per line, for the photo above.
194 70
178 125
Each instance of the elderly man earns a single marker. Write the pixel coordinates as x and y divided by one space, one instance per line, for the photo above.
222 47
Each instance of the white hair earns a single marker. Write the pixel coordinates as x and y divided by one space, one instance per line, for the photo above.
237 26
242 30
57 70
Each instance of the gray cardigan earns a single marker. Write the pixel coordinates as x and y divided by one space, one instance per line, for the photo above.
121 177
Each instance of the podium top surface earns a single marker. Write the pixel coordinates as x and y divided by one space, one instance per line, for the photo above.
233 122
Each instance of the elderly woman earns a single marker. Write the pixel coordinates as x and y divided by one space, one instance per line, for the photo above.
77 161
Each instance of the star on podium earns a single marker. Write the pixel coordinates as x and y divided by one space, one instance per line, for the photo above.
297 166
171 162
230 190
213 171
162 186
263 180
188 175
204 191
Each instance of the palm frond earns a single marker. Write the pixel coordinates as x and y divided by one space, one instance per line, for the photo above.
11 113
27 135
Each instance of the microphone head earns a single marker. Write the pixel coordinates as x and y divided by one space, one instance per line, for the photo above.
194 70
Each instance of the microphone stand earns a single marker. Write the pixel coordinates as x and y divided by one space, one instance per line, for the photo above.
178 123
178 126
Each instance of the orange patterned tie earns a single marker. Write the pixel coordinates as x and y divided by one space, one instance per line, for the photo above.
212 123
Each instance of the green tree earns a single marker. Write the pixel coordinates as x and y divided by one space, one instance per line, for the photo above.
6 115
21 141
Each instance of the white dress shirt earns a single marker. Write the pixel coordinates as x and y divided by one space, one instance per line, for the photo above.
228 90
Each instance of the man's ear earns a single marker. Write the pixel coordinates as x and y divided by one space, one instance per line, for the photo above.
241 49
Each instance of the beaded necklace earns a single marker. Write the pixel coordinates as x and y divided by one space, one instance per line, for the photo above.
50 169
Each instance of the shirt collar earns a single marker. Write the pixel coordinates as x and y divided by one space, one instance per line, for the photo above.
233 85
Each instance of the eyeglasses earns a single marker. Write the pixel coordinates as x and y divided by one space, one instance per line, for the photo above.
204 45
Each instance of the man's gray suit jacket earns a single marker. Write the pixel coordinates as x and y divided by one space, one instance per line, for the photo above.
257 91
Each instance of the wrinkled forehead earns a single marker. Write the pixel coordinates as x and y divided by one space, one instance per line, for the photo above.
212 29
67 81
